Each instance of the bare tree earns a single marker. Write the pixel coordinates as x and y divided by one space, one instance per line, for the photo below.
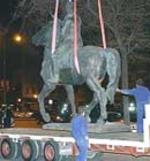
126 24
124 21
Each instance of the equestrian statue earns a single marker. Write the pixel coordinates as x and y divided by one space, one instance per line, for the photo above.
58 68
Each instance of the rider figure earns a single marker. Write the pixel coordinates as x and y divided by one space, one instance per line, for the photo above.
67 32
63 52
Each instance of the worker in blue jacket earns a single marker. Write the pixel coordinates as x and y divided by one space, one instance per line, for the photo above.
80 134
142 97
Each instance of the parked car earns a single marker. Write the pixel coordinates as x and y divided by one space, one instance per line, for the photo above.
112 116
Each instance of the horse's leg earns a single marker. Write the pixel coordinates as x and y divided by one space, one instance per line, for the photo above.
100 95
90 107
43 94
71 98
113 71
93 103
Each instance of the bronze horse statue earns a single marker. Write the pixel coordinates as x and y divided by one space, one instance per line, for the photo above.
58 68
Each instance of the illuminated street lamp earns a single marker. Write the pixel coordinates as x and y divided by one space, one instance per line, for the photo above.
17 38
35 96
19 100
50 101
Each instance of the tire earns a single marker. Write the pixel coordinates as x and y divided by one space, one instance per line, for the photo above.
9 149
51 151
30 150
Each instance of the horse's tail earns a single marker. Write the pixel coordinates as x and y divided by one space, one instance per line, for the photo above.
113 70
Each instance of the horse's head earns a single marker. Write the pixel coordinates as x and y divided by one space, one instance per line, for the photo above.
44 36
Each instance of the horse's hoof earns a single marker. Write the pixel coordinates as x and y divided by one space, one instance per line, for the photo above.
46 118
101 121
88 119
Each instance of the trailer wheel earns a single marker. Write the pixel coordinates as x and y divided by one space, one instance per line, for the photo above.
9 149
30 150
51 151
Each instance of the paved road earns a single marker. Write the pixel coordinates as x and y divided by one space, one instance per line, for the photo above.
110 157
118 157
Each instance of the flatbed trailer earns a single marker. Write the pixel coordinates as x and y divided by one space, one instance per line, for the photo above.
53 143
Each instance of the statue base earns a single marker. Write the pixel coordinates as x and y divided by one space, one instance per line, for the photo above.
92 128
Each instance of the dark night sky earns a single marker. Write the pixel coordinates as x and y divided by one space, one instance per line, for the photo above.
15 52
6 9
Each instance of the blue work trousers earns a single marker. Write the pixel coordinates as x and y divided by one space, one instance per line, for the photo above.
82 144
140 115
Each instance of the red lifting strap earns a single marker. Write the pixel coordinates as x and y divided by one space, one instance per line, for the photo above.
54 33
76 62
102 24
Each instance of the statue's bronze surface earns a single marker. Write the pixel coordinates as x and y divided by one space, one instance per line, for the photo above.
59 68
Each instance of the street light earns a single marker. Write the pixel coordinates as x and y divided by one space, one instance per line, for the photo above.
17 38
35 96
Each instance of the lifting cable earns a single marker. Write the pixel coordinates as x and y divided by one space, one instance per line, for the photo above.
76 62
54 32
101 21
